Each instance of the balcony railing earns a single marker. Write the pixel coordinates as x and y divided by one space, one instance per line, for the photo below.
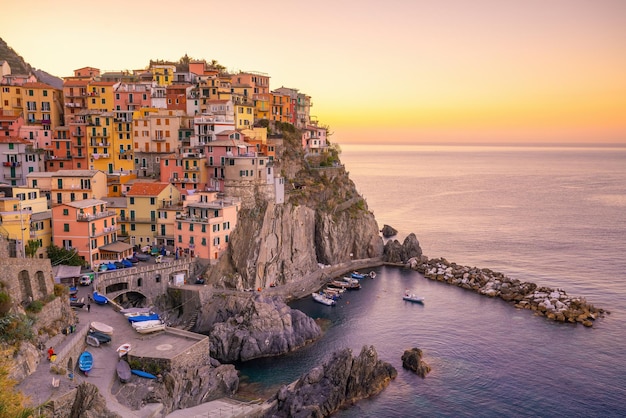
142 220
104 231
87 217
13 176
12 164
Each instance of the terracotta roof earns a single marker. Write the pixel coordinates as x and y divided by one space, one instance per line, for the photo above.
146 189
14 140
102 83
38 85
74 82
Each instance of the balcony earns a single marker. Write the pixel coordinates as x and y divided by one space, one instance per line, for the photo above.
142 220
96 156
14 176
193 168
88 217
159 139
12 164
99 144
182 180
104 231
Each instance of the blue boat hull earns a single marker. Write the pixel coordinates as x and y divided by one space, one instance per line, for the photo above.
143 318
99 299
85 362
141 373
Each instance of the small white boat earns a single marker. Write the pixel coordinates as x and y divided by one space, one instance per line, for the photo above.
147 329
123 349
323 299
413 298
146 323
139 311
100 327
92 341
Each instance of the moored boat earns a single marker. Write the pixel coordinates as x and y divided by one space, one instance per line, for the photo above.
410 297
323 299
357 275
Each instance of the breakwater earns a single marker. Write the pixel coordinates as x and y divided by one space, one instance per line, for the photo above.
554 304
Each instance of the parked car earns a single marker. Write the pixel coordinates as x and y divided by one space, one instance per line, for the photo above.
133 259
127 263
119 265
111 266
86 279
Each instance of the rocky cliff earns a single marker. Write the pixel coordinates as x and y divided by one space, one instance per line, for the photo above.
246 326
340 381
323 221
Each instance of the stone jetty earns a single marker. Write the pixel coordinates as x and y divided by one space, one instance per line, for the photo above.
554 304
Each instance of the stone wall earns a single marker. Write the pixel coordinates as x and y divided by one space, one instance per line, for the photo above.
25 279
151 280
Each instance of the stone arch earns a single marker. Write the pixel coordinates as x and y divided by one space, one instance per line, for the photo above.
41 283
157 278
25 287
131 298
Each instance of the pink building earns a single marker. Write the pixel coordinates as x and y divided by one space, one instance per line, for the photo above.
227 144
203 229
90 228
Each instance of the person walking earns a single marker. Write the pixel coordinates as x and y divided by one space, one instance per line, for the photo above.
88 307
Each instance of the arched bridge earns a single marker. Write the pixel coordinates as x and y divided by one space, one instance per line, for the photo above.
148 279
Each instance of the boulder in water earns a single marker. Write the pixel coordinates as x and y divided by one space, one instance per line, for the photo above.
412 360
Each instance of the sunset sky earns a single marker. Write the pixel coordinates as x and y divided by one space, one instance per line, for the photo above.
412 71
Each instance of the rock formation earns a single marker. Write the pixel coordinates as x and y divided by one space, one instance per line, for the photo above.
180 388
388 231
412 360
394 252
342 380
249 326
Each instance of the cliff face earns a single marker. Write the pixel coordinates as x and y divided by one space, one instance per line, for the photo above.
323 221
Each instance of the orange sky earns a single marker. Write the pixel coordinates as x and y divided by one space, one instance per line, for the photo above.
384 71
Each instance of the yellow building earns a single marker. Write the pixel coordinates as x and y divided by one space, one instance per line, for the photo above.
43 105
65 186
163 74
244 116
100 96
144 201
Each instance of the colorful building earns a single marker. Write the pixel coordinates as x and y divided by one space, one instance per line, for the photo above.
144 200
203 229
19 158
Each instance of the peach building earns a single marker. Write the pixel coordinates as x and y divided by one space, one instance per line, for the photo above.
89 227
203 229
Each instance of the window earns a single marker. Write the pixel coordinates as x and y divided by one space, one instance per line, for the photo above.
180 238
203 228
132 200
204 241
132 227
152 200
66 212
66 227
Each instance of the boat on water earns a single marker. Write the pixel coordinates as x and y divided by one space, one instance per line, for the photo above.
123 371
330 294
143 318
148 329
102 328
101 337
323 299
410 297
123 349
99 299
146 323
342 284
85 362
141 373
357 275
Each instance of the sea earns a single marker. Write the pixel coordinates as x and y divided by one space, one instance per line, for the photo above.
552 215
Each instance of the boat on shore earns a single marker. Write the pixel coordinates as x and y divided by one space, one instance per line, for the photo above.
323 299
92 341
140 311
146 323
148 329
143 318
123 371
101 337
85 362
123 349
100 327
99 299
141 373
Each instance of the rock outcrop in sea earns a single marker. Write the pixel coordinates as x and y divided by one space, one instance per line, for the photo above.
412 360
340 381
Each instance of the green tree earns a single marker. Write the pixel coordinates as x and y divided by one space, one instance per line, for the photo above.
59 255
31 247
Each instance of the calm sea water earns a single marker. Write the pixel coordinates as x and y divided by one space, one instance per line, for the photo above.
553 216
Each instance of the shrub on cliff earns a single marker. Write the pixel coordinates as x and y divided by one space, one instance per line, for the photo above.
5 303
